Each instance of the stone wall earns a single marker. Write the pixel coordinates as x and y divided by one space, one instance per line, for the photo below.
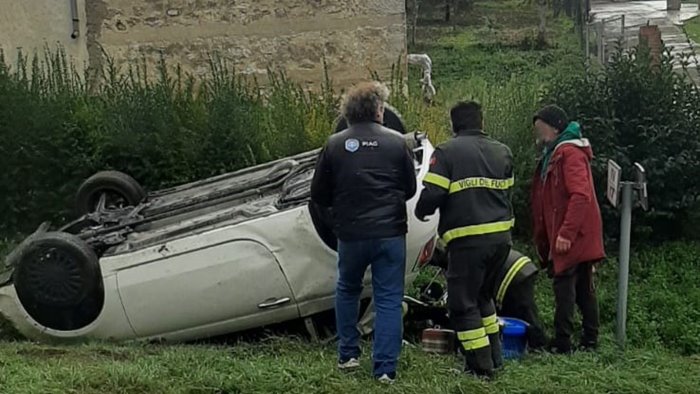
353 36
34 24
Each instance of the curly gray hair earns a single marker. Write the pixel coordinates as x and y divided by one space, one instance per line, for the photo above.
362 102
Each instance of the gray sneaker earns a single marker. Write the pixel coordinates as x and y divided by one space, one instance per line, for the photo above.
387 378
349 365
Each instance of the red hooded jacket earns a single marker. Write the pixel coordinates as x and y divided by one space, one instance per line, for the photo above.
565 204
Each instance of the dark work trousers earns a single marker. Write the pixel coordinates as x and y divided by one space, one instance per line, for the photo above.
519 302
576 287
470 281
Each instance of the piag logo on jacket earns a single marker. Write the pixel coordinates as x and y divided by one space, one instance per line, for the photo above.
352 145
370 144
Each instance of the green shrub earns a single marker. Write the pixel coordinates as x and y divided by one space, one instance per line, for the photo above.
633 114
172 129
57 129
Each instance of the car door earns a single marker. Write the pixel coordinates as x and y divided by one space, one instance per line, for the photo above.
206 291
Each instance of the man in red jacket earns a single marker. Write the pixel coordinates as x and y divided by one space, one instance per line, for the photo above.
568 230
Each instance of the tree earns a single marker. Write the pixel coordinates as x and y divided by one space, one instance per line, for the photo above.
452 6
416 9
542 6
576 9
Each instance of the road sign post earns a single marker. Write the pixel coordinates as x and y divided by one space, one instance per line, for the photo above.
616 188
624 262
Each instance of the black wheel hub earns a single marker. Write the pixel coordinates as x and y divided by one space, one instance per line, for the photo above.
53 277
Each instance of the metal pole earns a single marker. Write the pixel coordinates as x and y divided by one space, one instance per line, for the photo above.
76 21
623 25
624 36
624 267
601 42
588 40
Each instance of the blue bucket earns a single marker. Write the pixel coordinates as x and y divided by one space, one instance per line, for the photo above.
514 337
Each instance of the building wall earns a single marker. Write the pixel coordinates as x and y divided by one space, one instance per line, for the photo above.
353 36
34 24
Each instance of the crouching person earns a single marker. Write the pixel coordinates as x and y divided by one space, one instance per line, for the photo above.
514 292
365 174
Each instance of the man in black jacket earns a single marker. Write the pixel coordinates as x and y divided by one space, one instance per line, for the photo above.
366 174
469 181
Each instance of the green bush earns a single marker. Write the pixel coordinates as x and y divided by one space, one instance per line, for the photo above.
57 129
635 112
172 129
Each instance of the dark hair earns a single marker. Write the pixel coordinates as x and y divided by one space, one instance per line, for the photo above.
363 100
466 116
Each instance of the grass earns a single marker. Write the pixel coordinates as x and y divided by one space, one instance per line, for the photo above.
692 28
488 54
496 41
663 353
294 366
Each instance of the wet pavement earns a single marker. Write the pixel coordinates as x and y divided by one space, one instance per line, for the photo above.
640 13
637 13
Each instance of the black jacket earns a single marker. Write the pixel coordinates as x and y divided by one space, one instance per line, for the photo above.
365 174
469 181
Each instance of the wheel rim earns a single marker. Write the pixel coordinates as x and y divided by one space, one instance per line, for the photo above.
54 277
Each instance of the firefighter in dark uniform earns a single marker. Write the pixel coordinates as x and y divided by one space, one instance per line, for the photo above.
469 181
514 292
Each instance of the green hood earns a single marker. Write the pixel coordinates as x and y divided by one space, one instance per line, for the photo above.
572 132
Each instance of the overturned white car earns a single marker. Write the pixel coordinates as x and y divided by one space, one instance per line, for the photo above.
225 254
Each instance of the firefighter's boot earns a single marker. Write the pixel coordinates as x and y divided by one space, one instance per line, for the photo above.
479 362
477 352
496 350
493 331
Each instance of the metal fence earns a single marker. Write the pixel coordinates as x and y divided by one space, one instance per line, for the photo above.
604 36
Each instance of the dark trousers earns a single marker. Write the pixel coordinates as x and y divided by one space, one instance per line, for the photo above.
519 302
571 288
470 281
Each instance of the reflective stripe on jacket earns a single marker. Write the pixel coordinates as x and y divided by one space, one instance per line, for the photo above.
469 182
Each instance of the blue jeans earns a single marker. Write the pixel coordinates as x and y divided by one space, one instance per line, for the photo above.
387 258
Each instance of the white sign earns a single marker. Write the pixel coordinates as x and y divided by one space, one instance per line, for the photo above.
613 193
642 186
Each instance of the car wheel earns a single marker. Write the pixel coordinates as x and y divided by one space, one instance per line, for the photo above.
108 190
392 120
56 270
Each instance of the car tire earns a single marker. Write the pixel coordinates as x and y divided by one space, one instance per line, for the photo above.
121 189
56 270
392 120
